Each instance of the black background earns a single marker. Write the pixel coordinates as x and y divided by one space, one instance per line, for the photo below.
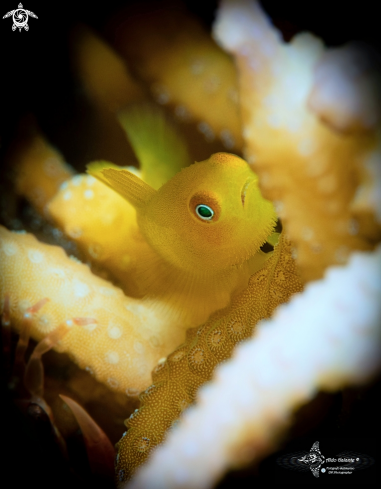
37 75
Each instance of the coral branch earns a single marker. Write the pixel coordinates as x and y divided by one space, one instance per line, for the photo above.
120 347
290 357
308 169
177 379
40 170
346 88
102 224
174 54
104 75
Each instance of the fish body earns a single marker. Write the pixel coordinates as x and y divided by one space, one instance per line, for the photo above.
204 229
191 257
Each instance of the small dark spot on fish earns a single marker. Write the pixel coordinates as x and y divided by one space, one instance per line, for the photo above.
267 247
278 226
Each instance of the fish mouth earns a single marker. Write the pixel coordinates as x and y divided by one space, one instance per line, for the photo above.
246 185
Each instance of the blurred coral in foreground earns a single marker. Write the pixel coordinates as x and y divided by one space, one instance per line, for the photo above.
312 172
307 120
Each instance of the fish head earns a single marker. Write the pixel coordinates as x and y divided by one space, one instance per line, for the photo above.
211 215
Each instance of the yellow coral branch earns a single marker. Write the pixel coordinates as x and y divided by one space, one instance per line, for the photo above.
291 356
174 54
104 74
120 349
176 380
40 170
102 224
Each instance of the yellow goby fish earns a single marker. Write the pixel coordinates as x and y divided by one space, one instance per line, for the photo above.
201 237
204 229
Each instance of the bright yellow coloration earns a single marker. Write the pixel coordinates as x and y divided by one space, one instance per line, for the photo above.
163 249
325 187
193 265
241 223
106 85
176 380
130 335
184 68
126 339
104 74
102 224
40 170
160 148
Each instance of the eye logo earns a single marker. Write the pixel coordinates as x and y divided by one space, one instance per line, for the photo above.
314 459
20 17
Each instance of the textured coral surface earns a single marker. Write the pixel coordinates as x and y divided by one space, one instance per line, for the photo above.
306 118
292 148
177 379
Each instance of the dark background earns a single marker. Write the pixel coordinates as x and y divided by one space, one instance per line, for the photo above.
37 75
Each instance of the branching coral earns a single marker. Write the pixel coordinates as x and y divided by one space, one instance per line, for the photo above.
288 144
322 163
74 291
104 74
128 335
317 157
266 380
177 379
299 351
40 171
75 209
169 42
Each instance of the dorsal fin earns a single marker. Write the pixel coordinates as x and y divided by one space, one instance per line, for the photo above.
95 170
161 150
125 183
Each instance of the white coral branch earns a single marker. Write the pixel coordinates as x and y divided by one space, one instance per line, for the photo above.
326 338
303 348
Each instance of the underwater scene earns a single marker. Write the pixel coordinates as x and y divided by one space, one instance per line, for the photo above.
190 258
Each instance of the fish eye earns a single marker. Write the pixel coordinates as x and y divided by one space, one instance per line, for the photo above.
205 206
205 212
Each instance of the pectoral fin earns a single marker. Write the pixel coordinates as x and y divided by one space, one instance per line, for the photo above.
125 183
